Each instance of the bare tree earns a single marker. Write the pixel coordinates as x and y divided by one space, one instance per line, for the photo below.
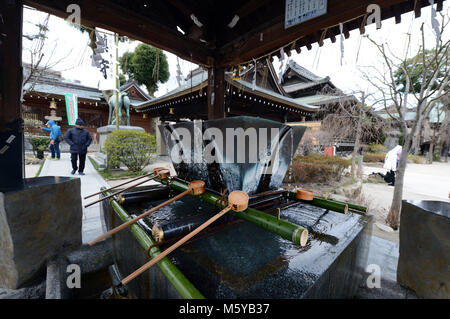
434 77
443 136
35 51
342 119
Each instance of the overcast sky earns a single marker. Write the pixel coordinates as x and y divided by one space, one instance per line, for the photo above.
67 43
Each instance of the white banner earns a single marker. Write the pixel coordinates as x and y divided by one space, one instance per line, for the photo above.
104 58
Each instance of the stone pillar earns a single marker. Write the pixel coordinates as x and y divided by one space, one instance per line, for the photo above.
424 245
37 223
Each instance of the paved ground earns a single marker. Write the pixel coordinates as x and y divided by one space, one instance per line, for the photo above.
31 170
90 183
383 254
422 182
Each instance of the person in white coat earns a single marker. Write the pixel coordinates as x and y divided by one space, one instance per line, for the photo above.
391 163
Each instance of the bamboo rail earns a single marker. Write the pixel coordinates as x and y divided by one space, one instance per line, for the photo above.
108 189
337 206
156 172
181 284
195 188
237 201
287 230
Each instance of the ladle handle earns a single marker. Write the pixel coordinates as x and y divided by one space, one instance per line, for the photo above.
175 246
121 191
108 189
132 221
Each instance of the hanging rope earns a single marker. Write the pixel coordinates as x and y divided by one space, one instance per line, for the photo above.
271 53
156 67
222 199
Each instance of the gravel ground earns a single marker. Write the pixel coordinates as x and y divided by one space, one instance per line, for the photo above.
422 182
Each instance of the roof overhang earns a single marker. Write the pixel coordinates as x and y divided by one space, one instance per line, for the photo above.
259 32
272 98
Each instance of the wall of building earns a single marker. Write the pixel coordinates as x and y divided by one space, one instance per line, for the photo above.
94 116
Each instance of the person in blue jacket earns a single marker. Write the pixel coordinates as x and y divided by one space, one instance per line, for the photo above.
55 133
79 139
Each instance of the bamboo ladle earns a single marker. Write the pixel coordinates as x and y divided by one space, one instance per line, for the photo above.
237 201
111 188
157 172
304 194
195 188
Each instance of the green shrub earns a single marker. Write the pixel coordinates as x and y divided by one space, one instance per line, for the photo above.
374 158
39 143
132 148
377 148
317 168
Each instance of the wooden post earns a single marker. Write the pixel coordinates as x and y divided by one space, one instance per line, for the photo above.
216 91
11 123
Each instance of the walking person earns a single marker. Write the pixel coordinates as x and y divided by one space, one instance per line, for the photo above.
79 139
55 138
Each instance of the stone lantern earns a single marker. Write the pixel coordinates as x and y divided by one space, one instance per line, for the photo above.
52 116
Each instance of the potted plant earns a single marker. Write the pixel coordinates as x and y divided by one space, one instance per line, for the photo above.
40 151
40 144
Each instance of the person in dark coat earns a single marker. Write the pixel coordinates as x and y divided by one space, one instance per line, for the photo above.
79 139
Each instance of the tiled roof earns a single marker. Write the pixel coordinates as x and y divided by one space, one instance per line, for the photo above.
305 73
436 114
196 81
129 84
200 79
301 86
320 99
55 85
63 87
272 95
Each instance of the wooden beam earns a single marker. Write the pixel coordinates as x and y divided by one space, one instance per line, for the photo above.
417 8
107 15
216 91
397 14
11 123
275 35
186 9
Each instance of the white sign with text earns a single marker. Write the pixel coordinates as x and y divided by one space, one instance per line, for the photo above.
298 11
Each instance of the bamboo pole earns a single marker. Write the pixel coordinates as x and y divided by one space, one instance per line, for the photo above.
195 188
287 230
181 284
337 206
111 188
237 201
157 172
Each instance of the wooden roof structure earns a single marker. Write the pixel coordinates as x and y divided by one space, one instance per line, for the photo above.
267 99
217 35
220 35
241 98
225 33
